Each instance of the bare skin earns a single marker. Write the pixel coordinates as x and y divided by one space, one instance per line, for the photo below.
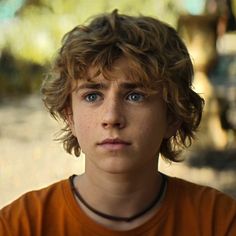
125 202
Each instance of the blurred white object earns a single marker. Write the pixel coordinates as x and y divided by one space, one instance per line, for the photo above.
194 7
226 44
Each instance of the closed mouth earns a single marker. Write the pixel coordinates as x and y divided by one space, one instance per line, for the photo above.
114 141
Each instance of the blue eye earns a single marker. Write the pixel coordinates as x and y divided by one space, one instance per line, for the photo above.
135 97
92 97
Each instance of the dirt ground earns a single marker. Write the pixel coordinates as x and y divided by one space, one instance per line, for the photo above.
30 159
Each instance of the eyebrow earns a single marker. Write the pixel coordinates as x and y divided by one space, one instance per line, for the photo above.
93 85
133 85
90 85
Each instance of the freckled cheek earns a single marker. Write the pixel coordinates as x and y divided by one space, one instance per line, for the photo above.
153 127
84 127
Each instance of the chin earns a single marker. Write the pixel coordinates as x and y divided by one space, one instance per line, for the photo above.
117 166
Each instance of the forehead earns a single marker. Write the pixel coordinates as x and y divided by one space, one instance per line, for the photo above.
122 69
118 76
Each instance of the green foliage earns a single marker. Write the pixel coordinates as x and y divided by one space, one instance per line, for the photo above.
19 77
34 35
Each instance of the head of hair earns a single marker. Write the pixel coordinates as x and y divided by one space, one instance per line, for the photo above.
157 56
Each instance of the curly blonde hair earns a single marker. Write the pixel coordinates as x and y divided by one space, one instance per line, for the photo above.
157 55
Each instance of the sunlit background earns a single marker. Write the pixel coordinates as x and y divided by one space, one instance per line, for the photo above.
31 32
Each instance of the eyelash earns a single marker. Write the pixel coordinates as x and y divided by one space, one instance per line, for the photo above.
142 95
86 96
128 97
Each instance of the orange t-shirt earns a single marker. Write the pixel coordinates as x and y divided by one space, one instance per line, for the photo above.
187 209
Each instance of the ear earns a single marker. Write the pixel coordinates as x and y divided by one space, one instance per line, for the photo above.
172 127
69 119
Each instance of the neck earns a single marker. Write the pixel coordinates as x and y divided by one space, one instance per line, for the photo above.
122 195
121 184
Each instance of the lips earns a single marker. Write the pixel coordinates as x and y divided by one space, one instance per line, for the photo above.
114 144
114 141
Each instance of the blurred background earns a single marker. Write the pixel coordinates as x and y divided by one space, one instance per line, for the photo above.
31 32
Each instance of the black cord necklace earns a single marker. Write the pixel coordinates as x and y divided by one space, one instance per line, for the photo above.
118 218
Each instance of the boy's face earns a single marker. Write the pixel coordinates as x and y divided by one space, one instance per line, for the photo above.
119 126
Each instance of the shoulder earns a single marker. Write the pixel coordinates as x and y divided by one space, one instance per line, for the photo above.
199 209
202 201
199 193
188 188
33 201
27 214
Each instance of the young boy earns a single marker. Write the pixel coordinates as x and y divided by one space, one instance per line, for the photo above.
122 85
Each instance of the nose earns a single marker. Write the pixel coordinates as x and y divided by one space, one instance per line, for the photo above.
113 114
